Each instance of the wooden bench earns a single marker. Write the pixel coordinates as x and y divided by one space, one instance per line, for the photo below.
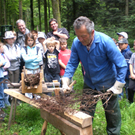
75 124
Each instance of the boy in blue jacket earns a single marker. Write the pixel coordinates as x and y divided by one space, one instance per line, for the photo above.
125 50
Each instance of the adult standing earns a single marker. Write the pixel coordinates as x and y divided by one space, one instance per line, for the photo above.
21 34
22 31
57 32
105 68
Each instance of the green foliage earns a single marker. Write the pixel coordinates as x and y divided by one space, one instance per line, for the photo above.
70 40
79 78
29 122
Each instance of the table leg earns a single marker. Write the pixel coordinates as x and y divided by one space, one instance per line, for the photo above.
14 109
44 128
11 111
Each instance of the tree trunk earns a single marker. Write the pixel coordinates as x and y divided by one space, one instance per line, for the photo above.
56 11
49 8
31 8
60 6
20 10
39 15
126 8
1 12
4 5
74 10
45 16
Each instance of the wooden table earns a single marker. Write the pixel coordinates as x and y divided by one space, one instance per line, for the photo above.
78 123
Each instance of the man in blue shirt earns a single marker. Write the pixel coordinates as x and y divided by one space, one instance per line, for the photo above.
105 68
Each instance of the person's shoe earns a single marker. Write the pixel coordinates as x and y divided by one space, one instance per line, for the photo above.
2 115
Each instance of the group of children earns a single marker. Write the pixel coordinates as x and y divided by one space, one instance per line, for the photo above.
37 51
124 47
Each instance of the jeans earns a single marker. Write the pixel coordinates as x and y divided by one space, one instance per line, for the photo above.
112 113
6 96
50 77
131 90
14 76
1 94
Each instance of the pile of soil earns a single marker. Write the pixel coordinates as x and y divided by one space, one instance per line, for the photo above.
32 79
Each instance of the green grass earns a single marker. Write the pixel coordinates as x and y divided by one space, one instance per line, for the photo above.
29 122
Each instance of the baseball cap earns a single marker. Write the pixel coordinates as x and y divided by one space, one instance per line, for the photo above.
9 34
123 41
124 34
41 35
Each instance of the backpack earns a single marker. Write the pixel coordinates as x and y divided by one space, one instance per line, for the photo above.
22 62
15 46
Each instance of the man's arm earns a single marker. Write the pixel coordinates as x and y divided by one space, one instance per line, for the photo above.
60 34
117 59
73 62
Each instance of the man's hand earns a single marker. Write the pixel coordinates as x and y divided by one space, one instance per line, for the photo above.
132 76
116 88
55 33
1 64
65 83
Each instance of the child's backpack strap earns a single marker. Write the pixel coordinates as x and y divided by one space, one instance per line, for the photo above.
37 49
7 46
14 45
25 48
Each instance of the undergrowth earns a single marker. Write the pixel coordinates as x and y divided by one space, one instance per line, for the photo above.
29 122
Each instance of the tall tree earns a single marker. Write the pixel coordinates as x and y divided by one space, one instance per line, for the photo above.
49 8
31 7
5 17
126 8
56 11
45 16
39 15
1 12
20 10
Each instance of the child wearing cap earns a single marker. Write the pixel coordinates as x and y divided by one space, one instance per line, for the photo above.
12 51
123 45
131 89
52 68
123 35
42 40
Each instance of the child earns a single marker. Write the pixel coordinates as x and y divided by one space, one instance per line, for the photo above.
42 40
123 45
63 56
31 55
12 51
131 89
123 35
40 45
2 64
52 68
7 65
